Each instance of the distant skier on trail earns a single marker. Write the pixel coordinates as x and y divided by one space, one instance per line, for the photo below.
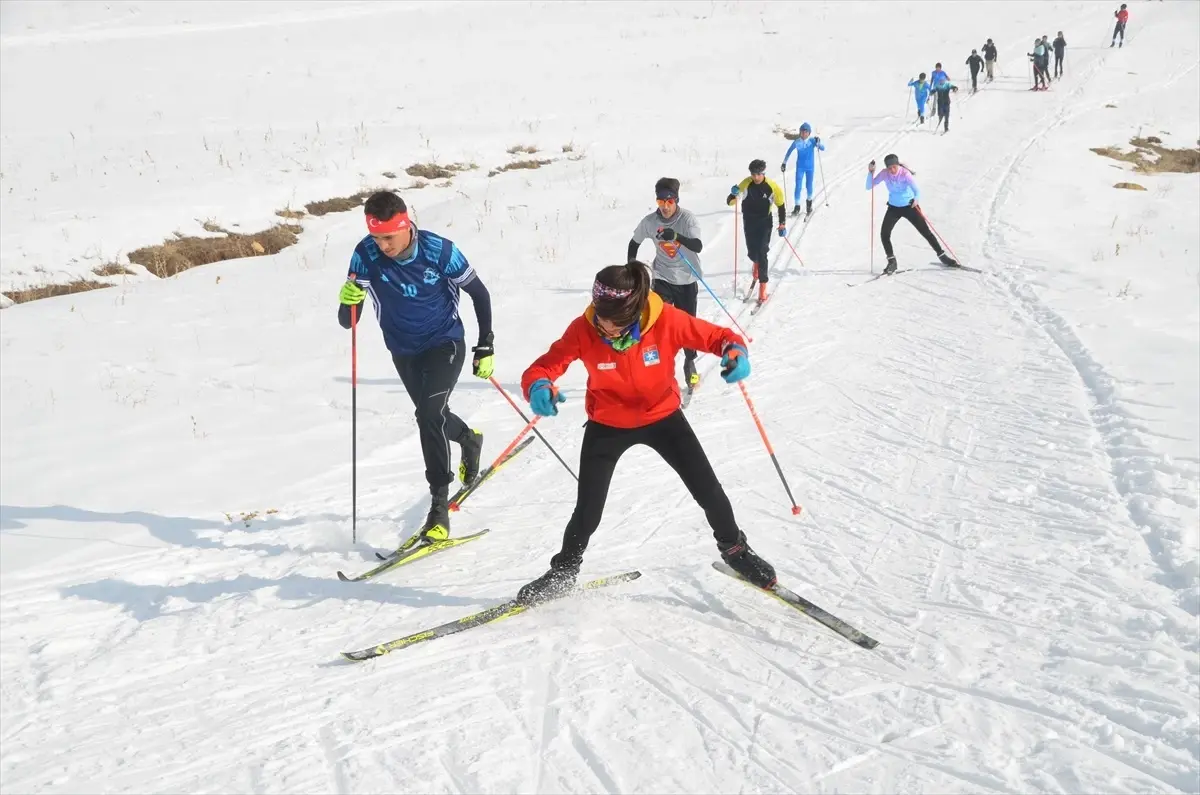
939 76
1060 50
1039 75
759 193
1122 16
942 99
903 198
805 148
623 338
920 95
672 228
989 59
975 63
414 277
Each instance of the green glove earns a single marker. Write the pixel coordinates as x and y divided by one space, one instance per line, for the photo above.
351 294
481 363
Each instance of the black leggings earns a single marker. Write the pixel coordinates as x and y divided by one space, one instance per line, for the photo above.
758 242
430 377
681 296
674 440
915 218
1120 28
1058 59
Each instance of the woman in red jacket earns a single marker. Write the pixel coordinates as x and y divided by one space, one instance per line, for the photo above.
628 339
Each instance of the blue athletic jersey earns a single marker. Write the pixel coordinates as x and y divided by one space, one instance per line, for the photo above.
415 299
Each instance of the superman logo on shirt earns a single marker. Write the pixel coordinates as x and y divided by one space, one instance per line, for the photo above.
669 247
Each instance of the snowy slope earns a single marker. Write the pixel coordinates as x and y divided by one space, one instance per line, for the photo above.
999 471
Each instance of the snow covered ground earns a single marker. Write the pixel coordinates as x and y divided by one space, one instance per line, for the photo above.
1000 472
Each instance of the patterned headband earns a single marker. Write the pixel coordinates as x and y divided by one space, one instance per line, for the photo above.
603 291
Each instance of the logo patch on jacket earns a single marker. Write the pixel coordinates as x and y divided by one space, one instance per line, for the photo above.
650 356
431 276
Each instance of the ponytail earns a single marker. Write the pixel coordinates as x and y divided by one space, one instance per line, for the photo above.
620 292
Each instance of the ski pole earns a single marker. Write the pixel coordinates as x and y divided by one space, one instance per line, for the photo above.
824 189
454 506
770 450
684 257
520 413
793 248
871 229
353 423
935 231
735 244
908 97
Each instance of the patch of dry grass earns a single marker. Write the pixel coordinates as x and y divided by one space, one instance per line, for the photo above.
791 135
519 164
523 149
183 253
289 213
338 205
1149 156
435 171
1129 186
112 269
51 290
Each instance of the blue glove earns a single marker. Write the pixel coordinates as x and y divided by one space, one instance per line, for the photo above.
735 190
735 364
543 397
782 230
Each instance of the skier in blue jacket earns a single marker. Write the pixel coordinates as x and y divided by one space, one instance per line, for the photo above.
804 147
920 94
939 76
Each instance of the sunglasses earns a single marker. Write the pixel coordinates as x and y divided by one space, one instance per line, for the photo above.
665 202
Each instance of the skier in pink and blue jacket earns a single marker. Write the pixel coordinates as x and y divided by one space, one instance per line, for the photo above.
903 197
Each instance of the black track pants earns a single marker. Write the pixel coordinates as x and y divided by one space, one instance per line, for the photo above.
758 242
674 440
429 377
680 296
910 214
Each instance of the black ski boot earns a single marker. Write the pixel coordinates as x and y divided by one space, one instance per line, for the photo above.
947 260
795 210
472 448
437 521
556 582
808 208
746 562
890 268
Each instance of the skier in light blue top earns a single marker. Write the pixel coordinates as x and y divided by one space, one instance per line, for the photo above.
920 94
903 202
805 147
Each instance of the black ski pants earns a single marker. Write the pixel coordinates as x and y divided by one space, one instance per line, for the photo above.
758 242
674 440
914 217
1120 28
680 296
974 80
1058 59
430 377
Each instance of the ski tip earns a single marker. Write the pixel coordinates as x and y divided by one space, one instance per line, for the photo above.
343 577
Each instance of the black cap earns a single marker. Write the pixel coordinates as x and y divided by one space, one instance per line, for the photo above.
891 160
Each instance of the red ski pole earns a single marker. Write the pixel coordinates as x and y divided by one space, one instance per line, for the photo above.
935 231
793 248
520 413
770 450
735 244
454 506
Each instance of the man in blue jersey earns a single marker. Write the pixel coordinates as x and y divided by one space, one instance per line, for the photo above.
414 278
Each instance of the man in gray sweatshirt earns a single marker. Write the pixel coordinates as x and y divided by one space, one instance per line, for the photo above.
671 228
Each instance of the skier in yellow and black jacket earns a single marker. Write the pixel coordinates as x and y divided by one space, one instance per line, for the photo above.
758 194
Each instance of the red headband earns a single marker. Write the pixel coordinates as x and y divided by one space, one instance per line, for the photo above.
392 225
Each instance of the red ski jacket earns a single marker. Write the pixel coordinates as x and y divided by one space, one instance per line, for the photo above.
1123 16
635 387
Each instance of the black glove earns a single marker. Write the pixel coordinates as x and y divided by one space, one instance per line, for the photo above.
911 202
667 234
481 362
817 140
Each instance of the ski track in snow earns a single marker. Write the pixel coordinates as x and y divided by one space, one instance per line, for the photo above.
954 509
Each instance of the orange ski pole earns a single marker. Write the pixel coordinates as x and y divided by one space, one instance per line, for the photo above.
454 506
770 450
520 413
